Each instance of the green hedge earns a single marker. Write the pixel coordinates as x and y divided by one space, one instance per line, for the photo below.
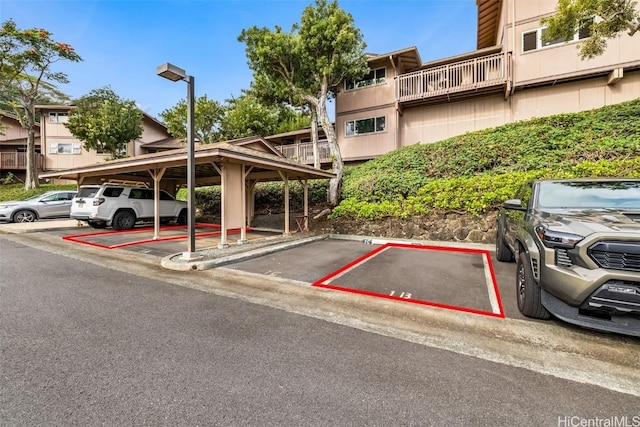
17 191
269 195
475 195
558 142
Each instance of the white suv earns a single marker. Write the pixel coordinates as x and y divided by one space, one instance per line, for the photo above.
121 206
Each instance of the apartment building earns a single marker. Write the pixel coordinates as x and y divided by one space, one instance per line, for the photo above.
56 149
13 146
513 75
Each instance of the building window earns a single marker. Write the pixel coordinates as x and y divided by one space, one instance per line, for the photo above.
362 126
65 148
58 117
532 40
122 152
375 77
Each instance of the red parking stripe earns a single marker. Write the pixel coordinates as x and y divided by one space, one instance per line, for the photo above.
78 237
324 282
414 301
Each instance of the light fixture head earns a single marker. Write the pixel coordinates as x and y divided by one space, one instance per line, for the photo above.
171 72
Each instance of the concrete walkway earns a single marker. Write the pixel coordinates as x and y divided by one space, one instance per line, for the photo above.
43 225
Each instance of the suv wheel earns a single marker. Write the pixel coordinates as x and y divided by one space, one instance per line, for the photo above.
123 220
528 291
503 253
182 217
24 216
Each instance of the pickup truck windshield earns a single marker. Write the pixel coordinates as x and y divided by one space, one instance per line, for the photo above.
590 195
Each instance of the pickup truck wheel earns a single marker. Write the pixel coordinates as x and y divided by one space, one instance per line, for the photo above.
503 253
97 224
124 220
182 217
528 291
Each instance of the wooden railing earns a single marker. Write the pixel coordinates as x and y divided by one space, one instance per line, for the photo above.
304 152
473 74
18 161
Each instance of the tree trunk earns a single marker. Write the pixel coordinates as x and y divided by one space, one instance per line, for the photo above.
31 178
314 138
335 184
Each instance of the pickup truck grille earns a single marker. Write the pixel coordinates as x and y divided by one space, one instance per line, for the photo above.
623 256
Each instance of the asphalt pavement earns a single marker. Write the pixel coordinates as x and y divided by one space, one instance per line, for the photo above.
86 340
350 281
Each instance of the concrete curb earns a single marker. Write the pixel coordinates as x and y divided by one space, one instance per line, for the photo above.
174 262
39 226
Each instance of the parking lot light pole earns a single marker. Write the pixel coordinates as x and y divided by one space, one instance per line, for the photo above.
173 73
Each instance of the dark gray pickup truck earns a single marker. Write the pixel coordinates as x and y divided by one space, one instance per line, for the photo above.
577 247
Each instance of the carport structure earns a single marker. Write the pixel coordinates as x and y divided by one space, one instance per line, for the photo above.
237 166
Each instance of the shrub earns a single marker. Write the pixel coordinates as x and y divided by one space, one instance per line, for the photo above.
557 142
17 191
479 194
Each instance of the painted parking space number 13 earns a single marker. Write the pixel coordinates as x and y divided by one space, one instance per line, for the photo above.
400 295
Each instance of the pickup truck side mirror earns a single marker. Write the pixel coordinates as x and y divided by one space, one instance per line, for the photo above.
514 205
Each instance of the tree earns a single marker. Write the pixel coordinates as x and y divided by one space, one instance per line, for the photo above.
248 115
277 92
612 17
311 61
26 61
208 116
105 122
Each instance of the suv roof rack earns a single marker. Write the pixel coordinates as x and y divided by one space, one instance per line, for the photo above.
126 182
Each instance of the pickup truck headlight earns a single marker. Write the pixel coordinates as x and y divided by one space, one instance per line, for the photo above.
556 239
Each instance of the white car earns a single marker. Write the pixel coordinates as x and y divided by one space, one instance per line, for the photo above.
121 206
52 204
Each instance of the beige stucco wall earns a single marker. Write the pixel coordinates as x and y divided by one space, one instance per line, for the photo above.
56 133
151 132
536 80
362 98
12 130
560 60
370 144
437 122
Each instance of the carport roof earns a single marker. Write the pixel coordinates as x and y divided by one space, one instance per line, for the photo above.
266 166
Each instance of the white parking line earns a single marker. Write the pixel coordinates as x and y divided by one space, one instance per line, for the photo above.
493 298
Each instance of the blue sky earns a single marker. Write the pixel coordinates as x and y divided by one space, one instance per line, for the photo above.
122 42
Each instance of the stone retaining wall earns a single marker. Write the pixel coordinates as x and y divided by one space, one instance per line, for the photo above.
452 227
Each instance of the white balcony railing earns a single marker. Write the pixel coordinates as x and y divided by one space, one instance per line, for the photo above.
304 152
472 74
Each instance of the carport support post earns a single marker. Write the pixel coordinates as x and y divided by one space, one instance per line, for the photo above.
223 218
305 187
285 179
243 230
157 176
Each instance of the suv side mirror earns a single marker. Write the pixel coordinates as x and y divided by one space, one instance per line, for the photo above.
514 205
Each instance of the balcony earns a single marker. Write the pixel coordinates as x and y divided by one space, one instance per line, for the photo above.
304 152
462 79
18 161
